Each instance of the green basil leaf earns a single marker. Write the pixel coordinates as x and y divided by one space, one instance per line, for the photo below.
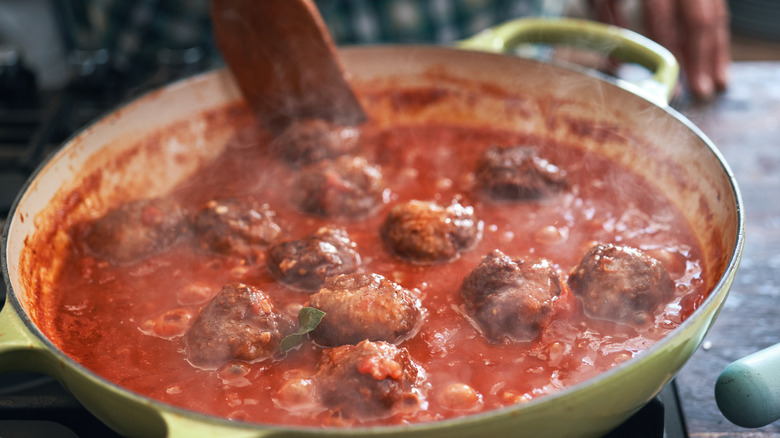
290 341
308 319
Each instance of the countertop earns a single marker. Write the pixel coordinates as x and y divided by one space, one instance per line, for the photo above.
744 123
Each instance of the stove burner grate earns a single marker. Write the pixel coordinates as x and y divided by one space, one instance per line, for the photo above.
33 405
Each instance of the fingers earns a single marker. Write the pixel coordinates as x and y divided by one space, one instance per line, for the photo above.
697 33
660 20
721 41
609 11
723 59
698 47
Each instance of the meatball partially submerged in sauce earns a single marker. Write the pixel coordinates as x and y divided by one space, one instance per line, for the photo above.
136 230
620 283
511 299
347 187
240 322
426 232
364 306
517 173
305 263
307 141
369 380
237 227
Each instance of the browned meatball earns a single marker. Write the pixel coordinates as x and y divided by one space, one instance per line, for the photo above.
620 283
304 264
240 322
307 141
369 380
346 187
426 232
136 230
517 173
237 227
511 299
364 306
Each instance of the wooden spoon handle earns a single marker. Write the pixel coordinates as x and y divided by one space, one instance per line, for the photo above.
284 61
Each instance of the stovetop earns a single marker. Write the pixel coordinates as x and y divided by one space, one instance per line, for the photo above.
34 122
34 405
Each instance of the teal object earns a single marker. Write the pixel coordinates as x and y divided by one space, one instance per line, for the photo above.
748 391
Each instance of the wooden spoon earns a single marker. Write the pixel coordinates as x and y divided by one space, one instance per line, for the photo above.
284 61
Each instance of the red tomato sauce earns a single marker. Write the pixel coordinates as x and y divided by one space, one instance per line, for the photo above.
125 322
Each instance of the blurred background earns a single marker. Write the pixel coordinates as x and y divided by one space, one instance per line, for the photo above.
65 41
65 62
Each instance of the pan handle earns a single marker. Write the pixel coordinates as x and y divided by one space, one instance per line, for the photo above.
614 41
20 350
748 390
186 426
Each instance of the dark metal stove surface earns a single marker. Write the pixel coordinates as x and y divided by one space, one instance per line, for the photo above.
33 405
33 123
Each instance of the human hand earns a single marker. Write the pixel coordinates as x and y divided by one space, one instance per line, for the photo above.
695 31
